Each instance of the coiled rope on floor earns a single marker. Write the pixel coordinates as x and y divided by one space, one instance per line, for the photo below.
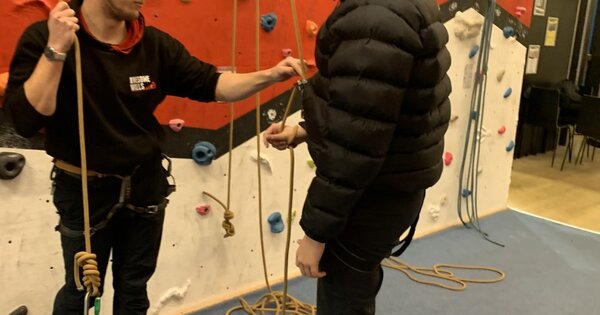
277 302
442 272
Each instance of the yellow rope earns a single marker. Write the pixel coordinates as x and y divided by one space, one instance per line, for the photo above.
228 215
84 259
275 301
441 272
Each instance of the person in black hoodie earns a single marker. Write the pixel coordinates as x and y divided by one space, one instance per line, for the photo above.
129 69
375 116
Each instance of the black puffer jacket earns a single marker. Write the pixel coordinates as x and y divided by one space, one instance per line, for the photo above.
377 112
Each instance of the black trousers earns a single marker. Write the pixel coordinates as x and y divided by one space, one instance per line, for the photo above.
352 262
133 238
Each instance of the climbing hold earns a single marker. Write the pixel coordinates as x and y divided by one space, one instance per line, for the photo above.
466 193
520 10
311 28
510 146
264 160
21 310
508 92
502 130
286 52
474 115
176 124
268 21
204 153
508 31
275 222
473 51
310 163
294 213
500 75
203 209
11 164
443 200
454 118
271 114
448 158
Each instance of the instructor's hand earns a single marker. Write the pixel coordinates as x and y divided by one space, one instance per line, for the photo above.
285 69
308 257
62 25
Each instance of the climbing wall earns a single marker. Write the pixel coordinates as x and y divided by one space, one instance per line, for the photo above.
197 266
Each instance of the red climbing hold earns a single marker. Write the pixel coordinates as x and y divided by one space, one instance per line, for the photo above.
502 130
448 158
203 209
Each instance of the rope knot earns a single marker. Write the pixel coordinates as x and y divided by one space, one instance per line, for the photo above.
91 275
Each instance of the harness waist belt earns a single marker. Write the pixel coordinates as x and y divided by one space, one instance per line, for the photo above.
76 170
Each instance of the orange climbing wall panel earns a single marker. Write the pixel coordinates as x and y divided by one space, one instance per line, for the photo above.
205 28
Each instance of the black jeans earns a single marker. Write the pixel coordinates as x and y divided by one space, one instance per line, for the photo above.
133 238
352 262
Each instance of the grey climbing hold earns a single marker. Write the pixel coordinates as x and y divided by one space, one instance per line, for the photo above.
510 146
11 164
473 51
508 92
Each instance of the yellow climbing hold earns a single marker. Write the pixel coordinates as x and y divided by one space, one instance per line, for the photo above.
310 163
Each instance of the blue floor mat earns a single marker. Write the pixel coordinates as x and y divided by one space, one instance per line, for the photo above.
550 270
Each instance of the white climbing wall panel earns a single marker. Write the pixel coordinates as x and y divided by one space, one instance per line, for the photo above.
197 266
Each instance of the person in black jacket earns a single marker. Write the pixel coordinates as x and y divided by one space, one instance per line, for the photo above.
375 118
129 69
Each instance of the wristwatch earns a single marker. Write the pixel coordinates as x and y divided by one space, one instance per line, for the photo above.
54 55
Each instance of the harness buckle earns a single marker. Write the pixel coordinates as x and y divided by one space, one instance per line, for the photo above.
153 209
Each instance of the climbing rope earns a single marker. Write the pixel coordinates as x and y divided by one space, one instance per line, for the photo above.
228 215
85 260
277 302
441 272
472 148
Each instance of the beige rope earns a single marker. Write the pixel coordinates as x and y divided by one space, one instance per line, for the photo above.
275 301
441 272
84 259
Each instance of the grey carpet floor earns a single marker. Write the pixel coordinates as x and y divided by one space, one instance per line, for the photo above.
550 270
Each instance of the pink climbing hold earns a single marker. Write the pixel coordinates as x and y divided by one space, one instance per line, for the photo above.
520 11
311 28
203 209
286 52
311 63
176 124
502 130
448 158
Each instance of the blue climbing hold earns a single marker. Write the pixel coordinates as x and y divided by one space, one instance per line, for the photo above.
508 92
474 115
204 152
276 222
508 31
510 146
473 51
268 21
466 193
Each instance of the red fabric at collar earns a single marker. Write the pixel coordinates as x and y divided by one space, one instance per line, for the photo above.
135 31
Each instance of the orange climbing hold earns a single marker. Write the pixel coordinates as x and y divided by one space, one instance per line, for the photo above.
311 28
448 158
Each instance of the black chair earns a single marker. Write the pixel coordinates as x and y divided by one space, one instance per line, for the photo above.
588 125
544 111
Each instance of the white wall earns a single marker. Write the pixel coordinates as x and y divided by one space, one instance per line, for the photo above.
194 252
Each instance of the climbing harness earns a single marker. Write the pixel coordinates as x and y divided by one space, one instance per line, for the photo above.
275 301
468 187
442 272
124 196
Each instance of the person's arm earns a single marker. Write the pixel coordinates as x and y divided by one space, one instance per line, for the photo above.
34 79
233 87
187 76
